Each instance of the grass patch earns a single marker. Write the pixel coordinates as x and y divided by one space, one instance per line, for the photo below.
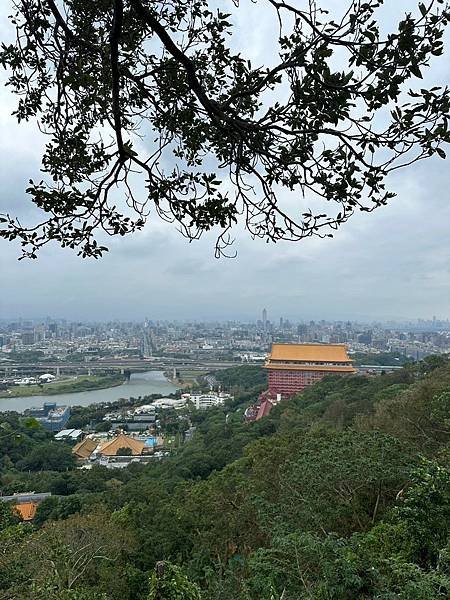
83 383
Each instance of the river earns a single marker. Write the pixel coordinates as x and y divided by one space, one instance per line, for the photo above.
140 384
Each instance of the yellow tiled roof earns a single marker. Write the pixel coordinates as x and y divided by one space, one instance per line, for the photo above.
121 441
310 352
85 448
26 510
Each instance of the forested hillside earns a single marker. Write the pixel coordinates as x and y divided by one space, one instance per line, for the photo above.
341 493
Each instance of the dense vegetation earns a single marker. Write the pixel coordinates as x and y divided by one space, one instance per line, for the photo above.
242 377
341 493
30 356
381 359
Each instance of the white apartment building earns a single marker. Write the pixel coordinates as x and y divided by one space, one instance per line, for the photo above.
206 400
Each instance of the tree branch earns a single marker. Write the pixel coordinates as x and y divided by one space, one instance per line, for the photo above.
115 75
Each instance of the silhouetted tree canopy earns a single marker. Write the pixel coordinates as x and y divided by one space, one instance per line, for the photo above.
150 109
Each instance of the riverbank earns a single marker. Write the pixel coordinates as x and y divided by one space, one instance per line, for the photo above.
140 385
186 378
83 383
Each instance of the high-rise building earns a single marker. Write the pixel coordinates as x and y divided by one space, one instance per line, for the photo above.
264 318
28 338
292 367
53 329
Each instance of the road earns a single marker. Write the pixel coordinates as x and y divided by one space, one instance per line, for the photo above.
132 365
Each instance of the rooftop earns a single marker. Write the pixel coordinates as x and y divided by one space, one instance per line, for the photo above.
85 448
309 353
26 510
20 498
111 447
71 433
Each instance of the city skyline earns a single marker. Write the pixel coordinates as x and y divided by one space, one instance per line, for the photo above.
240 342
252 319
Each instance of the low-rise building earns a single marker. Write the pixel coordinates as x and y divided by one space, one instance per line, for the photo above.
121 442
118 452
26 504
72 435
206 400
26 510
262 407
84 449
138 419
51 416
165 403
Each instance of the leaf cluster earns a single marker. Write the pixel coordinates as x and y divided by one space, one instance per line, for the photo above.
149 110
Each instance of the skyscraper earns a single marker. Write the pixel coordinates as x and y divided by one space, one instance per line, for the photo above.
264 319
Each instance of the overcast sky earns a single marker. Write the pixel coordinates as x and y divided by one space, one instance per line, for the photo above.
394 263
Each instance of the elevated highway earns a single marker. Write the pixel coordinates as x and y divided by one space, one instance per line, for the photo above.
112 365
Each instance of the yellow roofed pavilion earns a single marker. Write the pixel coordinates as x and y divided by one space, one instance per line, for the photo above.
84 448
111 447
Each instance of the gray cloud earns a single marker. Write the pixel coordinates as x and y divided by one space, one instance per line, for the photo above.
394 262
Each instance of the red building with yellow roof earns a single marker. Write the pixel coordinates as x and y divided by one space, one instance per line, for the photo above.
292 367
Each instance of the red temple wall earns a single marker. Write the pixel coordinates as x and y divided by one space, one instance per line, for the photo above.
287 383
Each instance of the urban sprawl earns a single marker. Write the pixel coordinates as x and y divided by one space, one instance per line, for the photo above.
39 355
231 340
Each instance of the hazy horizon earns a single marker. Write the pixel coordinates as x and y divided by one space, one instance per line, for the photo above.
251 319
391 264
